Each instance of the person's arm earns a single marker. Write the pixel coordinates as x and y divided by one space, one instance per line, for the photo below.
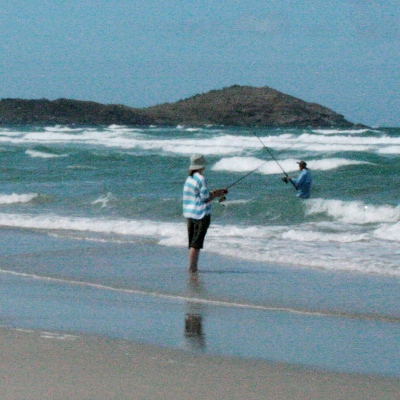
217 193
300 179
204 193
287 179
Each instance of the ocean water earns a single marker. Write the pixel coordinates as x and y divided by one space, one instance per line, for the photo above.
93 241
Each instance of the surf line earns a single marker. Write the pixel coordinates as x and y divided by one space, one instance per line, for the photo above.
210 302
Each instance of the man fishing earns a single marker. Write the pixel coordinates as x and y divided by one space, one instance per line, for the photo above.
197 207
303 182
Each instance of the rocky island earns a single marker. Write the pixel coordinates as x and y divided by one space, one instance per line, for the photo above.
233 106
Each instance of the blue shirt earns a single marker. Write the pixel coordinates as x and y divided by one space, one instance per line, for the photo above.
303 184
196 197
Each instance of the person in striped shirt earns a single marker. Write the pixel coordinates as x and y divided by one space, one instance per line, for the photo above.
197 207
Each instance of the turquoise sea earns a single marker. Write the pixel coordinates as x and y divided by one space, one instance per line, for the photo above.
93 241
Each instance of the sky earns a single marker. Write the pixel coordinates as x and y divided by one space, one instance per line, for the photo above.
342 54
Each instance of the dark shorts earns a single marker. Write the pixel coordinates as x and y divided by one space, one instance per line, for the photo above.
197 229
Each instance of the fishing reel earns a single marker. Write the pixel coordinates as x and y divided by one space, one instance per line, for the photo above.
285 179
220 193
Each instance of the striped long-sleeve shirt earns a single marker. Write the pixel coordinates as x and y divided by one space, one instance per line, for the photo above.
196 196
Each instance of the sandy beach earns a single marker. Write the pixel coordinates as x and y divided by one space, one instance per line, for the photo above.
40 365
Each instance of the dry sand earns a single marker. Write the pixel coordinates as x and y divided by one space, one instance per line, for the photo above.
35 365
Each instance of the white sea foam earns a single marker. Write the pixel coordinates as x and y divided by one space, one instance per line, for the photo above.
9 133
57 336
372 143
332 163
389 232
194 129
247 164
331 249
310 236
114 126
216 143
342 131
123 129
229 203
104 200
390 150
282 142
122 227
174 233
354 212
324 143
41 154
213 146
358 253
17 198
61 128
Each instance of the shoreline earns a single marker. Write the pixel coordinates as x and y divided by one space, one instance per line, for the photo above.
111 290
40 365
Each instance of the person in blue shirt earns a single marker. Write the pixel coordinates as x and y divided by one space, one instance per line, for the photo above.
197 207
303 182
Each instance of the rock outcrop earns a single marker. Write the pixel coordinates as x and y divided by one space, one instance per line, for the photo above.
233 106
66 112
246 106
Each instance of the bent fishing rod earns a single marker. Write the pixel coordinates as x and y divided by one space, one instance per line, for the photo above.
287 178
223 198
244 176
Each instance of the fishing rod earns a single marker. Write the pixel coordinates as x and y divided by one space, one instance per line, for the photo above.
287 178
223 198
244 176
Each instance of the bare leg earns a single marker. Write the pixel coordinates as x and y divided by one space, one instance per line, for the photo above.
193 259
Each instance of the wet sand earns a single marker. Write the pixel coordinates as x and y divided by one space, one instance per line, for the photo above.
38 365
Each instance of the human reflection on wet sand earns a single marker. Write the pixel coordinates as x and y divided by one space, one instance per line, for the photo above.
194 316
